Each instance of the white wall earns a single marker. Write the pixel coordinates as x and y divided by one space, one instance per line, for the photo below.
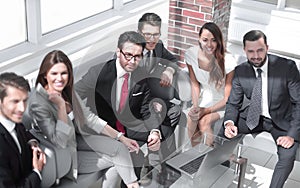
281 27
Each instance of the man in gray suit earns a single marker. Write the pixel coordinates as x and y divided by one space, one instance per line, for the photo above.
278 110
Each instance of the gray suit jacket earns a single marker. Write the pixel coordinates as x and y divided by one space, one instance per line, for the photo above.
283 94
59 133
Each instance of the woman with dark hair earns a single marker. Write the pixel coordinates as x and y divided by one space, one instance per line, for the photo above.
211 72
67 123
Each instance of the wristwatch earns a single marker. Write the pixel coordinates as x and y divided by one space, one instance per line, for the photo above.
119 136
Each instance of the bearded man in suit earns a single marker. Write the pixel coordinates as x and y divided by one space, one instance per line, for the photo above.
277 109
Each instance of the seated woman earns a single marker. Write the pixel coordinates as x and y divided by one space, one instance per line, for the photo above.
67 123
211 72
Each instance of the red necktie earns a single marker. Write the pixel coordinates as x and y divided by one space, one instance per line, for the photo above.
123 98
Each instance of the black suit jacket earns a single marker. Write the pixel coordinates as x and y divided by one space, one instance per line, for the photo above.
283 94
163 56
16 168
137 116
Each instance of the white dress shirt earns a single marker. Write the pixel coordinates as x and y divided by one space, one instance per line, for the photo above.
120 80
10 127
264 100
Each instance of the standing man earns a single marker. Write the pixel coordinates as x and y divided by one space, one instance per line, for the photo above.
272 84
20 163
158 60
109 81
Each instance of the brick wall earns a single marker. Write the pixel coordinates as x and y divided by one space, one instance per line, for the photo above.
186 18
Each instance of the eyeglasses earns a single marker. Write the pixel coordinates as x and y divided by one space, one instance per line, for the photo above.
149 35
129 56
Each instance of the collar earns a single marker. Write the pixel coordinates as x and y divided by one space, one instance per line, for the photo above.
264 68
7 124
120 70
146 51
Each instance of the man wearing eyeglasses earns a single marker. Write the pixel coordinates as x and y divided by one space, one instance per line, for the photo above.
159 62
109 81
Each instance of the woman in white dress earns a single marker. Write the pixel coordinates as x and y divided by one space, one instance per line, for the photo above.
211 72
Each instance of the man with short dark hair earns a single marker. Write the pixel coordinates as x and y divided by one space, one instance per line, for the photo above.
21 160
158 60
104 86
272 84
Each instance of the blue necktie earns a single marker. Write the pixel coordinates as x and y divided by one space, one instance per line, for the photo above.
255 108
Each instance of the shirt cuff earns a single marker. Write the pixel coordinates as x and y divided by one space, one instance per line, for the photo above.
228 121
158 131
38 172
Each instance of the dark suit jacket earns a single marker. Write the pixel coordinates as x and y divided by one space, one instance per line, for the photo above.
137 116
162 56
16 169
283 94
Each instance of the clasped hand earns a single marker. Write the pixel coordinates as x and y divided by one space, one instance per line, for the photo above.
166 78
196 113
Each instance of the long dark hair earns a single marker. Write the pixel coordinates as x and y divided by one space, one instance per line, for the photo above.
217 73
52 58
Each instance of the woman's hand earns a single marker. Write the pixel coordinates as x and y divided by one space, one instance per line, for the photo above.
132 145
194 113
57 99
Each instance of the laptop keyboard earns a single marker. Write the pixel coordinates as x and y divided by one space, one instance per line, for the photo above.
193 165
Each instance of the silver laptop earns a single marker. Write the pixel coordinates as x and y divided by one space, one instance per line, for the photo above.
198 160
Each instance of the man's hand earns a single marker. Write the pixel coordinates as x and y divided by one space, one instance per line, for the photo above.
154 141
132 145
230 130
166 78
38 159
285 141
157 107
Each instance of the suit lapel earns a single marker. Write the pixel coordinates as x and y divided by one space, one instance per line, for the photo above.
9 139
271 70
106 85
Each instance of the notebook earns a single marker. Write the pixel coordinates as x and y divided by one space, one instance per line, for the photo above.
197 161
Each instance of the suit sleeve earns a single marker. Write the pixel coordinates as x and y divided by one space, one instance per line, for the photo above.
87 83
150 117
294 90
31 180
235 100
167 58
57 131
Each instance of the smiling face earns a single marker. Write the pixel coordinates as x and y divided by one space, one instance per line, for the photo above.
151 34
57 78
13 105
208 42
256 52
133 51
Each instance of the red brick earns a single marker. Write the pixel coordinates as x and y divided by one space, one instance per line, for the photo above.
177 17
175 10
197 22
205 2
189 33
188 6
187 1
208 17
173 3
193 14
185 26
192 41
174 30
206 9
181 45
176 37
